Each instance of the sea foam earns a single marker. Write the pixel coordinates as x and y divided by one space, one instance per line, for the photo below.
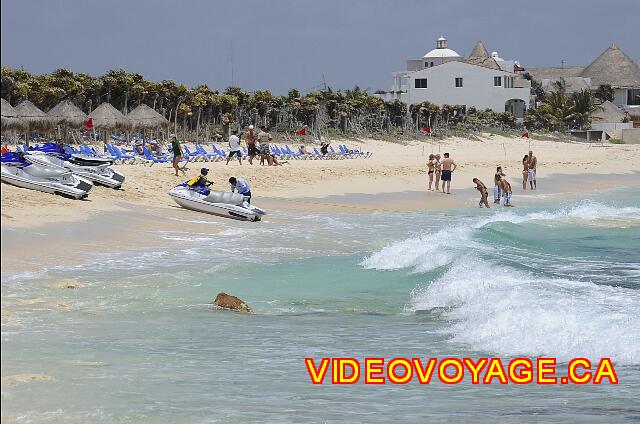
493 307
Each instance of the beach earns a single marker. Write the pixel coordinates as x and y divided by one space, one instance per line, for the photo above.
393 168
107 302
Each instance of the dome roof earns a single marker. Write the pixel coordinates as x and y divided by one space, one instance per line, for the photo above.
438 53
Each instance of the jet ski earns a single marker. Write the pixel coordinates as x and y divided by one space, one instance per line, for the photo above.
19 171
89 167
201 199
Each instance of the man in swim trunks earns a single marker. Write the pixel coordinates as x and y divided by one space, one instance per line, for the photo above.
506 192
448 166
484 194
234 147
264 138
533 164
251 138
496 182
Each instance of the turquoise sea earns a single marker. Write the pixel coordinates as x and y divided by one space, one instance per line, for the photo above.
140 342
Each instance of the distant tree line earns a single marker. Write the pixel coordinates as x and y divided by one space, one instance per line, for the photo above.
202 110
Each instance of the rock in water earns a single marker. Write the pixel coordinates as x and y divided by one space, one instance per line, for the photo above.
227 301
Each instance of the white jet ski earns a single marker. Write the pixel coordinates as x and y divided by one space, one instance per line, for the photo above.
201 199
93 169
49 178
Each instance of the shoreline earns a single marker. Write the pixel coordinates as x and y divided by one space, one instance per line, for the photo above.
133 227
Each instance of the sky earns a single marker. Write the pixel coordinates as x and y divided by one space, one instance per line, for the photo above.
280 44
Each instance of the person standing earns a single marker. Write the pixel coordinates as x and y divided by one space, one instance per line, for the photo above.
430 169
176 149
240 185
438 170
265 150
506 192
448 166
234 147
484 194
525 171
533 164
251 138
496 182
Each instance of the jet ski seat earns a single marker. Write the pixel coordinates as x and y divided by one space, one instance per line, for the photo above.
225 197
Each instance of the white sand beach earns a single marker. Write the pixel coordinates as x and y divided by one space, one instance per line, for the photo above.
393 168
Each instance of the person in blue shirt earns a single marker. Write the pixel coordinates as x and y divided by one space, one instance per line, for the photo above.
240 185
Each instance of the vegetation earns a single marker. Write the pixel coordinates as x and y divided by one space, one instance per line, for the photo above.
560 111
208 112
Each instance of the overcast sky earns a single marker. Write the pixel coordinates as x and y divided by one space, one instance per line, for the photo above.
279 44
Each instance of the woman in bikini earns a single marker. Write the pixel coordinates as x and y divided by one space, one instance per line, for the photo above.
438 171
525 171
431 167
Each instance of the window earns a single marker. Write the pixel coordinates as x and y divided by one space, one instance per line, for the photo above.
633 96
497 81
458 82
426 64
421 83
431 63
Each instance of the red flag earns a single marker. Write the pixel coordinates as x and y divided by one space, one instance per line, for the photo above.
525 134
90 123
303 131
426 130
5 149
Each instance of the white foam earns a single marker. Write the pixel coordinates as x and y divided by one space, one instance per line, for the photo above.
497 309
429 251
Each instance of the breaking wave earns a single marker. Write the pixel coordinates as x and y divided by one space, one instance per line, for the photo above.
495 305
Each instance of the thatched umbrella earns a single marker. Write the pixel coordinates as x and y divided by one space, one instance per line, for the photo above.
107 117
67 114
34 117
10 119
143 117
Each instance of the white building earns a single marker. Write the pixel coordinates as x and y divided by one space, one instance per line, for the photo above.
442 76
613 68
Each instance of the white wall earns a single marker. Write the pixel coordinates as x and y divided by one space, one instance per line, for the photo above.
478 89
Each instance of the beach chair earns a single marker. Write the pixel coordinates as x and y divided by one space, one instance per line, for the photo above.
318 155
152 158
219 152
197 157
118 155
337 155
209 156
293 154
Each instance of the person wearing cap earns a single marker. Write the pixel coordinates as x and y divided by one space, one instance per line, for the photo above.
201 180
234 147
176 149
251 138
240 185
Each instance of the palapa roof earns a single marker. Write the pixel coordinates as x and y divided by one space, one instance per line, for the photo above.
554 74
615 68
487 62
145 117
106 116
608 112
479 51
66 113
571 84
34 117
10 119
